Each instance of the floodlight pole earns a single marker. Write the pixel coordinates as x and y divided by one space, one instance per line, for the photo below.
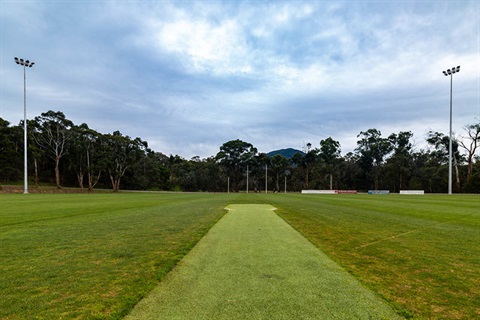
286 173
25 64
266 179
450 73
247 178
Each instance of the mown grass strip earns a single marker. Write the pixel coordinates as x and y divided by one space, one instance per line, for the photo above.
253 265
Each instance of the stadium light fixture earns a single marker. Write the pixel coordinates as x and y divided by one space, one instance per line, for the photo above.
266 178
26 64
450 72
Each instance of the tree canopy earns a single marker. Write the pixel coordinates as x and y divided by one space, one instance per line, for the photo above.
64 154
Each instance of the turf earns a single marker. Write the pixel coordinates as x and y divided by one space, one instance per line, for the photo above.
93 256
253 265
421 253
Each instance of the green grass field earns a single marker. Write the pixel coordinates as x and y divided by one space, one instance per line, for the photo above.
253 265
420 252
95 256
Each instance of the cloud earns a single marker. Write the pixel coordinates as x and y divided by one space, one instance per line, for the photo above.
188 76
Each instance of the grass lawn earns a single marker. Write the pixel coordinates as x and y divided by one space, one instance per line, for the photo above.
94 256
420 252
253 265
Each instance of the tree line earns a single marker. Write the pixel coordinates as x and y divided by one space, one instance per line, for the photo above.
65 154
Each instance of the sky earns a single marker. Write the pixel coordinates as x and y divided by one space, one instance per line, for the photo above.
188 76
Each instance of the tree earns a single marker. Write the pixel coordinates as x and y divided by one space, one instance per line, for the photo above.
80 154
174 164
441 144
209 177
120 152
149 173
373 149
84 155
401 160
473 136
34 150
329 156
279 166
473 184
10 154
52 132
259 163
306 162
350 173
234 156
427 171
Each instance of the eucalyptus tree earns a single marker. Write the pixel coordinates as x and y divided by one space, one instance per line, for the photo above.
10 154
441 143
279 166
199 174
184 175
174 164
84 154
471 145
35 152
196 174
473 184
427 172
372 149
351 175
119 154
305 162
401 160
210 176
52 132
259 164
330 156
148 173
234 156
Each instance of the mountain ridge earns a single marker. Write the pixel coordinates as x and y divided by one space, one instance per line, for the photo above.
287 153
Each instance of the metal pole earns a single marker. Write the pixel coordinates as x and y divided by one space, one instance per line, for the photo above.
247 178
285 183
450 73
228 184
25 64
450 141
266 181
25 163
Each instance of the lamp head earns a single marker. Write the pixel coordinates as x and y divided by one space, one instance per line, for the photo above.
451 71
26 63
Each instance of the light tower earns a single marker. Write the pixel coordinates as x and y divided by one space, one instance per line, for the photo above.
25 64
450 73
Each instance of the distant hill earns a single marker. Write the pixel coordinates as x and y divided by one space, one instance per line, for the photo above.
287 153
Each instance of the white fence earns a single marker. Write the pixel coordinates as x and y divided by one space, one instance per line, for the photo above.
318 191
355 192
412 192
329 191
